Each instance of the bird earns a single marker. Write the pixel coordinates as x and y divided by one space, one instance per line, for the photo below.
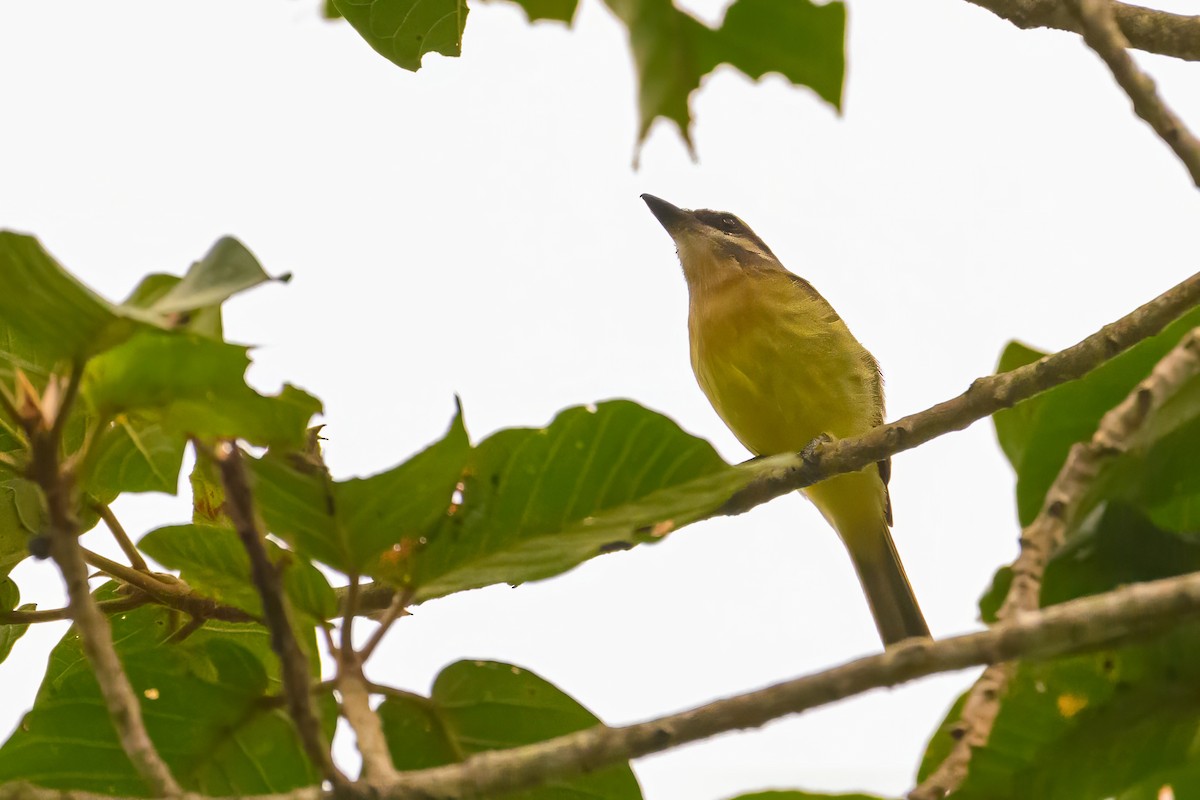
782 370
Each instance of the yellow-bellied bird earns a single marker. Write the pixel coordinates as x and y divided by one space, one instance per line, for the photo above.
782 369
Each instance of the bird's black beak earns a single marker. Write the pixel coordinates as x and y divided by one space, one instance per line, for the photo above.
671 217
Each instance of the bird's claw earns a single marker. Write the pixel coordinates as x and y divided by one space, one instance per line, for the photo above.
810 450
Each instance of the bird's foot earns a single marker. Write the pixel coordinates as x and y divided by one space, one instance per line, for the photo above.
809 453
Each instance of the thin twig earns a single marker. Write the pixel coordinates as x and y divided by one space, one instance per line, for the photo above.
1148 29
239 505
395 610
378 768
169 591
1102 34
986 396
95 635
127 546
1065 501
107 607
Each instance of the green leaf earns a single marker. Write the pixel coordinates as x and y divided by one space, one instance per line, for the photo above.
213 561
47 314
557 10
202 701
22 515
537 502
136 454
403 31
351 524
673 51
485 705
1103 724
204 321
1156 473
10 596
227 269
196 386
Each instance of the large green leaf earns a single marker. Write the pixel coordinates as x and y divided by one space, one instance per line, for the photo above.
403 31
136 454
1106 724
203 701
351 524
213 561
46 313
485 705
673 51
226 269
537 502
1157 473
10 597
22 515
196 386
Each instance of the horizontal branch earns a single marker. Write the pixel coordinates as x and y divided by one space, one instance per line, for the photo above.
106 607
1146 29
786 473
985 397
1077 626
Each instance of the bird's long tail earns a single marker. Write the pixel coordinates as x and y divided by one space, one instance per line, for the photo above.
893 604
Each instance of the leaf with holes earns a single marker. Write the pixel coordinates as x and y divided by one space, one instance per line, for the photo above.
351 524
673 51
1118 723
403 31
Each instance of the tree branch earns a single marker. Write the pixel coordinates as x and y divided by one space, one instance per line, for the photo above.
106 607
239 505
118 531
985 397
1086 624
783 474
1147 29
95 635
169 590
1065 501
1103 34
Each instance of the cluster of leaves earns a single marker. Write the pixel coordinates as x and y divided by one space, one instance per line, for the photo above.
154 373
672 50
1118 723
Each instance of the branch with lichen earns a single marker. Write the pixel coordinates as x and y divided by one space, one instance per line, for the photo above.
1064 502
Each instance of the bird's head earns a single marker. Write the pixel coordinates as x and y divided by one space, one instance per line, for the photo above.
711 244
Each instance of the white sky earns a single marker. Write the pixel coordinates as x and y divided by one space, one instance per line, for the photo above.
476 228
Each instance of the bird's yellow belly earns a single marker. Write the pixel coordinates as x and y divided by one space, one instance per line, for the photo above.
779 382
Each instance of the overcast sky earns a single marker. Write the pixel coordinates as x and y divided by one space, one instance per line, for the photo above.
475 228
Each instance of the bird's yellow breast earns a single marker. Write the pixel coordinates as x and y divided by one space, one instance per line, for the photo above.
779 365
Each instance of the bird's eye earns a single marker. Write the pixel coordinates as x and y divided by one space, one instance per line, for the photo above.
729 223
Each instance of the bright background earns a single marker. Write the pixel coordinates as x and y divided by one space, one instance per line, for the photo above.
476 228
